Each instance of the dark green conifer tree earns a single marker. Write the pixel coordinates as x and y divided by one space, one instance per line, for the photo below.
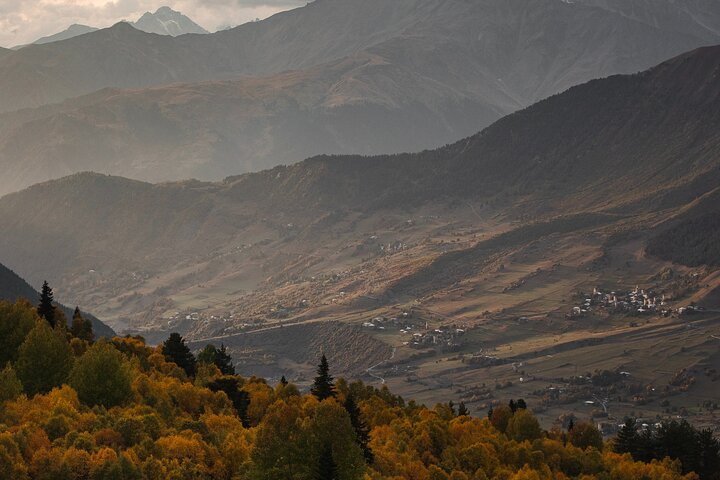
217 356
207 354
223 361
362 432
239 398
520 404
709 464
80 327
323 387
678 439
628 438
283 381
646 450
175 350
46 309
462 410
327 468
512 405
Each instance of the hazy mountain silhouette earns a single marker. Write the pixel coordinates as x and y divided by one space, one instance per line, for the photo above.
621 145
379 78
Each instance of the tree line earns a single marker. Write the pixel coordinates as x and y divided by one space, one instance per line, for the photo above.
697 450
79 409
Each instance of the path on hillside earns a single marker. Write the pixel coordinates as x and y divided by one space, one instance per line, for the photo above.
369 371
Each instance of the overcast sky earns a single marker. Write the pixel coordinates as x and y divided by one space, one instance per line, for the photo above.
24 21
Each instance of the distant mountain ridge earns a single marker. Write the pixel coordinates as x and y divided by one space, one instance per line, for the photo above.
73 30
12 287
620 147
381 77
164 21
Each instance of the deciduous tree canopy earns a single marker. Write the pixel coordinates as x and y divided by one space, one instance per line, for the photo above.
130 412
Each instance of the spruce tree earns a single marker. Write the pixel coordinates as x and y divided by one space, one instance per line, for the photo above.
512 405
46 309
628 438
207 354
218 357
362 432
239 398
223 361
80 327
323 387
678 439
709 465
462 410
520 404
647 446
327 468
175 350
283 381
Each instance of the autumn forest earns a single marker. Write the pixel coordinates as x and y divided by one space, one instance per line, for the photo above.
77 408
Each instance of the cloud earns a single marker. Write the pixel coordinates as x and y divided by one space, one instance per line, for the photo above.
24 21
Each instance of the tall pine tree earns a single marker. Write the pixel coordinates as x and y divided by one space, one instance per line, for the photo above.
224 362
323 387
46 309
175 350
327 468
362 432
628 438
239 398
80 327
218 357
709 465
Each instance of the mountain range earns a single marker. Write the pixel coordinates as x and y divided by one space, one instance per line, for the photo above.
380 77
73 30
164 21
632 153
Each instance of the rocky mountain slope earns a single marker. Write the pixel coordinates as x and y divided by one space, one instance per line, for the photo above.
382 78
166 21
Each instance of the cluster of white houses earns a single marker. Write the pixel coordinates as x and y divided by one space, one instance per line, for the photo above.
636 301
421 336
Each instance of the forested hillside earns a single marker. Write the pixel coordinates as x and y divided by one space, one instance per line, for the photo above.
12 287
74 409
